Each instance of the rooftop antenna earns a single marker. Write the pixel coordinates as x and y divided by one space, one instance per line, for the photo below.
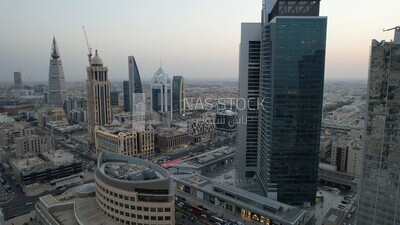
88 46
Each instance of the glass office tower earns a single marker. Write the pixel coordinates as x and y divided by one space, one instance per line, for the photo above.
379 195
291 91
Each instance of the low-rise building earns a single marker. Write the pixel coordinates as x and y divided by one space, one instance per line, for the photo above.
33 145
9 132
201 130
226 123
334 217
248 205
125 139
169 139
45 168
206 162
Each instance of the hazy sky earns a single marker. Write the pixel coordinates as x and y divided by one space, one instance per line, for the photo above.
194 38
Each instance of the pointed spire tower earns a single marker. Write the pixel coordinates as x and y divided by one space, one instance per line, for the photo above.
57 89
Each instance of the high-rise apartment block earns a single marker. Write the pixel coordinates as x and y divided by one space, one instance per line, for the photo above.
57 91
98 89
281 73
379 195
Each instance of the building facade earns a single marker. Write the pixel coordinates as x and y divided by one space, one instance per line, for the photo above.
124 140
249 81
291 92
134 191
57 91
98 91
379 195
339 155
33 145
201 130
178 94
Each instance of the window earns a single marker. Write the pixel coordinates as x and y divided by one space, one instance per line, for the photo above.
167 218
152 209
146 209
167 210
160 209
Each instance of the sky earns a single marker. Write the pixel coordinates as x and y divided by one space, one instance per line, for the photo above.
198 39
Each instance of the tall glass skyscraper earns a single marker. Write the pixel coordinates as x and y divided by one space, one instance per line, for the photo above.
178 94
57 89
379 195
127 107
293 43
135 84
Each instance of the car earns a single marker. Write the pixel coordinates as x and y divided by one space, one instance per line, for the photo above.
344 202
349 215
204 216
28 203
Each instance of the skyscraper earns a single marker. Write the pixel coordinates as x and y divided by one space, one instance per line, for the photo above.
98 89
127 107
249 81
178 94
135 84
281 71
57 91
161 96
17 80
291 91
114 98
379 200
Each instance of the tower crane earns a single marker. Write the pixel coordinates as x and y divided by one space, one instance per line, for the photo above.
398 27
88 46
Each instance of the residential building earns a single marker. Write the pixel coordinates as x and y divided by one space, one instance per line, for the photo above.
33 145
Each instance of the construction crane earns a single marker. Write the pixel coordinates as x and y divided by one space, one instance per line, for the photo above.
88 46
393 28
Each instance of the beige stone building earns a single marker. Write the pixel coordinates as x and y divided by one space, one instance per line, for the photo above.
354 160
126 140
33 145
9 132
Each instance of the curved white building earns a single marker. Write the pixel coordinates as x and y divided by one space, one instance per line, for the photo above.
133 191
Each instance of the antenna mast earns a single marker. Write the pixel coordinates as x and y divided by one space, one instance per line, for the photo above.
88 46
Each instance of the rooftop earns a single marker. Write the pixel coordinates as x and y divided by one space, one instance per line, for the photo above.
208 157
130 172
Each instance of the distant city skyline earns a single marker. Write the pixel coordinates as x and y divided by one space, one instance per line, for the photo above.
198 40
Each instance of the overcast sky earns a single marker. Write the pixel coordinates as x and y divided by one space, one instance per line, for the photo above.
198 39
